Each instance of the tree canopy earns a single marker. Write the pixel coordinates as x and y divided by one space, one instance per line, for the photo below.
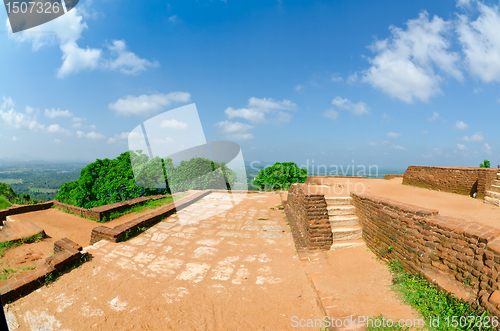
7 192
107 181
280 176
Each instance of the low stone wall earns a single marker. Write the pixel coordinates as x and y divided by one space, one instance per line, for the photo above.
117 233
23 209
460 257
66 253
388 176
308 217
99 213
458 180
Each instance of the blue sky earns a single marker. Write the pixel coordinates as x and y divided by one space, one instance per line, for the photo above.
385 83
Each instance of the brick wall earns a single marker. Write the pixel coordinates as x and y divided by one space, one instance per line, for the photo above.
23 209
460 257
66 253
388 176
308 218
117 233
451 179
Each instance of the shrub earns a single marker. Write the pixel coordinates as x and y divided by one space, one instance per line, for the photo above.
280 176
485 164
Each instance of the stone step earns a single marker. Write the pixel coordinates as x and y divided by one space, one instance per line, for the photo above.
495 188
492 201
343 220
492 194
498 175
336 201
496 182
15 230
346 232
340 210
338 244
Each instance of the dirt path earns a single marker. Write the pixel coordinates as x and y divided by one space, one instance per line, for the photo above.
234 270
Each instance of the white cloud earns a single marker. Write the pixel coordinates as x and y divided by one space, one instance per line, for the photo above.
398 147
352 78
147 104
487 148
53 113
331 114
463 3
477 137
29 110
91 135
7 103
393 135
173 124
56 128
14 139
372 143
173 19
481 42
67 30
120 136
337 78
235 130
476 90
462 147
404 64
57 140
460 125
359 108
19 120
257 109
434 117
298 87
425 132
127 62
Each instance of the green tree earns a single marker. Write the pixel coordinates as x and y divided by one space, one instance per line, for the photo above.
280 176
8 192
485 164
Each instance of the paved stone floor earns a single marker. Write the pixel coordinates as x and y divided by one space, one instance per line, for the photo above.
213 266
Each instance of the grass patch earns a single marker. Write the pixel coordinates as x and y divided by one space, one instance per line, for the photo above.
435 305
263 218
9 273
150 204
4 203
15 243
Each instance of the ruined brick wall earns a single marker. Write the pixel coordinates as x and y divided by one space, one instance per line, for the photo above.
460 257
460 180
308 217
388 176
24 209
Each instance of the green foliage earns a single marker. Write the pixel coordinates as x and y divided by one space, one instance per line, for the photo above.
7 192
280 176
108 181
4 203
198 174
8 273
432 303
485 164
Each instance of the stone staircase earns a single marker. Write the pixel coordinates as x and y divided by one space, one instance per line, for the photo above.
493 195
345 226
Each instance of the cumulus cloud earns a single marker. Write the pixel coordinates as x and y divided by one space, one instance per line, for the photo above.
147 104
357 109
118 137
90 135
257 110
404 64
372 143
352 78
173 124
460 125
67 30
331 114
462 147
173 19
481 43
56 128
298 87
425 132
53 113
398 147
235 130
487 148
393 135
477 137
18 120
127 62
